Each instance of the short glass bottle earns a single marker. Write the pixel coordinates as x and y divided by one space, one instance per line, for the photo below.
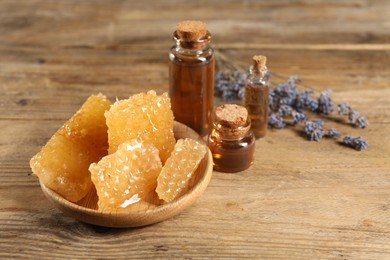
231 142
257 96
191 76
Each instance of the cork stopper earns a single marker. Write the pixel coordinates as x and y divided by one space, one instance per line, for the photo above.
191 30
232 119
259 62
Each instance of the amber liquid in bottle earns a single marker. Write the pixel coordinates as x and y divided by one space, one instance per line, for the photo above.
232 155
231 142
192 91
257 102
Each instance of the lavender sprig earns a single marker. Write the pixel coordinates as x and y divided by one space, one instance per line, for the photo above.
288 101
298 117
275 120
314 130
343 108
285 110
334 133
325 103
361 122
287 94
305 101
357 143
353 115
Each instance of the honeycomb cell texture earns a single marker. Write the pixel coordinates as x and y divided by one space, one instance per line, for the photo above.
145 116
62 164
126 176
179 168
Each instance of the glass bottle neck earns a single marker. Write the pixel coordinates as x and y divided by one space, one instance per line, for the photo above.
258 77
229 133
197 45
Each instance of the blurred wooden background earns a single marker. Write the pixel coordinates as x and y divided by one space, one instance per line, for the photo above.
301 199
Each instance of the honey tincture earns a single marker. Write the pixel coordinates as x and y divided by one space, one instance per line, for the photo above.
257 96
231 142
191 76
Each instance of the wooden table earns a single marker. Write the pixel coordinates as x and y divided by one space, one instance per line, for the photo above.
300 199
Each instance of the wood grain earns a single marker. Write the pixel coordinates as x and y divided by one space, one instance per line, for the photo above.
300 200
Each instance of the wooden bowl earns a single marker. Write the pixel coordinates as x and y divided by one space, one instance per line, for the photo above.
144 212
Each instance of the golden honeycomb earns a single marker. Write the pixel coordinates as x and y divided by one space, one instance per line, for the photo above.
126 176
62 164
145 116
179 168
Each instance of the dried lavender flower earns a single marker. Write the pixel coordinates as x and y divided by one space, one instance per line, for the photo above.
313 105
343 108
357 143
293 79
353 116
285 110
229 95
361 122
287 93
333 132
298 117
314 130
275 121
230 85
304 99
325 103
241 93
320 122
356 119
272 99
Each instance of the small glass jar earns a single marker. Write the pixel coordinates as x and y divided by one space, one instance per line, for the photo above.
191 76
231 142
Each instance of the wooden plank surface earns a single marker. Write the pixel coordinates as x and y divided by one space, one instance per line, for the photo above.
299 200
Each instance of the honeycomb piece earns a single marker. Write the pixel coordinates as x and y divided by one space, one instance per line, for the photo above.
179 168
126 176
145 116
62 164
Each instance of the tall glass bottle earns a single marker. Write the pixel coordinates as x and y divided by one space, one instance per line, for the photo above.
257 96
191 76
